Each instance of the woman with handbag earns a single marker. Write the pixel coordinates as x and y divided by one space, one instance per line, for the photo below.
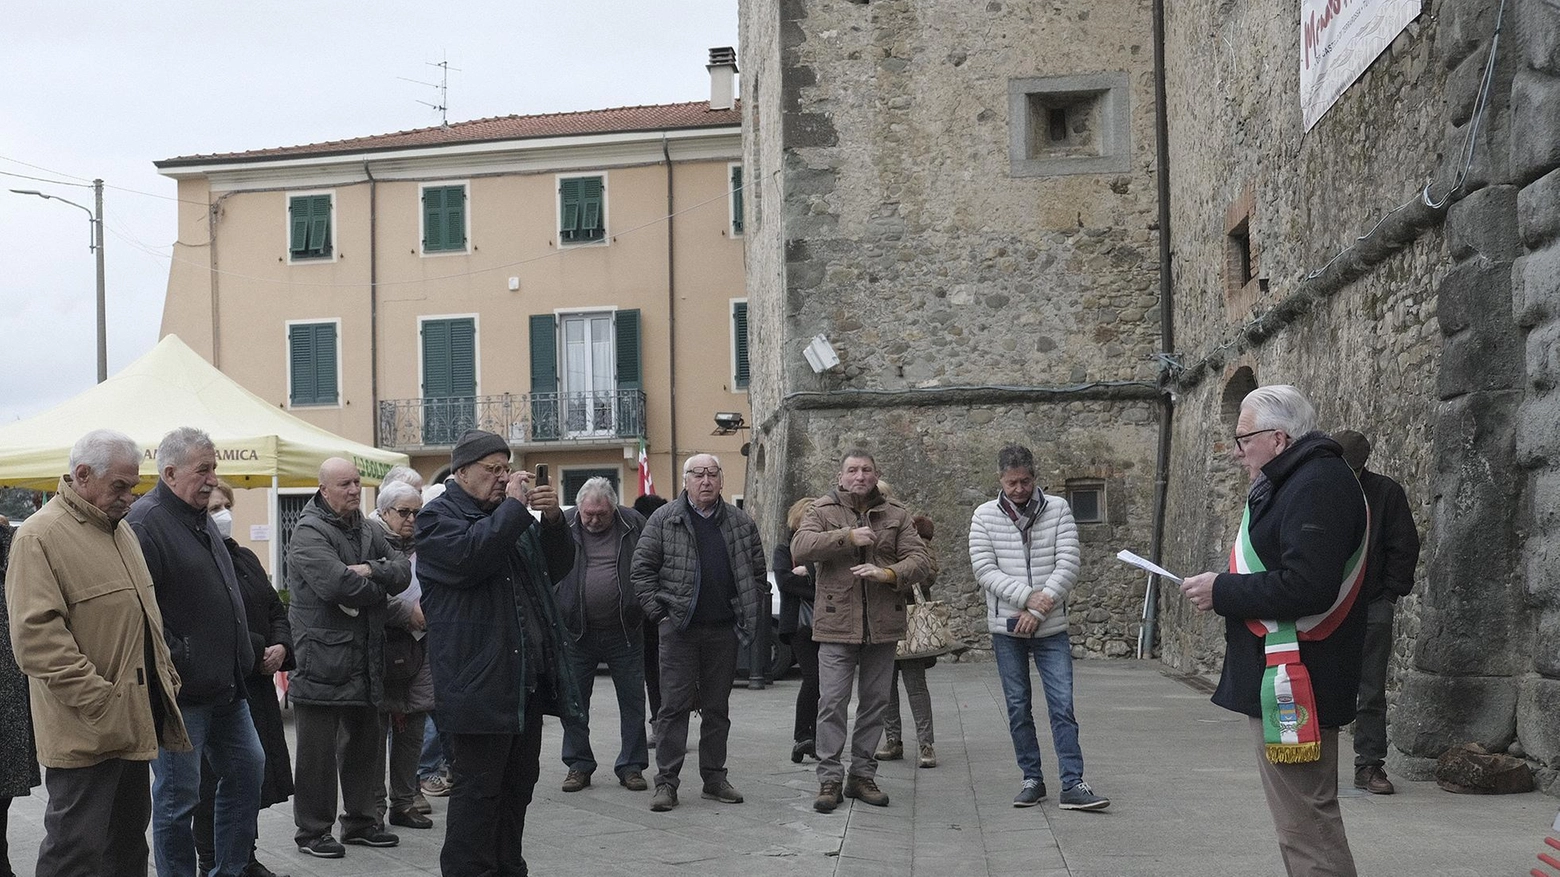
913 671
796 616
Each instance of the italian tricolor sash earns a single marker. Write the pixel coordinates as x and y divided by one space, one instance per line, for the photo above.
1289 720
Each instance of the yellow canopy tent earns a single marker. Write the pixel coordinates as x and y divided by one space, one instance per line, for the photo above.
258 445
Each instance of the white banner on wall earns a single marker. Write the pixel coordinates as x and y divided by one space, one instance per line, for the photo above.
1338 40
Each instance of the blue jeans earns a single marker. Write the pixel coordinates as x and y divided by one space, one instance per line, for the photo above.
227 736
1053 658
625 659
435 752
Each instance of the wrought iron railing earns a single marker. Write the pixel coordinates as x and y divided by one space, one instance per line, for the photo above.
521 418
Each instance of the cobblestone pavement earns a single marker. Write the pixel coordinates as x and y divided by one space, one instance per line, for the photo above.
1186 801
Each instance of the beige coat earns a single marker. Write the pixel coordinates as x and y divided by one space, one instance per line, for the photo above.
82 612
847 609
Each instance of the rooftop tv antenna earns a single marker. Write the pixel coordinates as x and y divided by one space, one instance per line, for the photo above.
443 85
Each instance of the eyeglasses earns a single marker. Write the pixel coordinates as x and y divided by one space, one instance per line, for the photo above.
1240 440
708 472
404 513
496 468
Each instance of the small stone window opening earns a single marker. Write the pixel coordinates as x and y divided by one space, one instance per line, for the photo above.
1076 124
1087 499
1064 125
1242 283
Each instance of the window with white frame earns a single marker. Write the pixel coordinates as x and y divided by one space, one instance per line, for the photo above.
309 227
313 365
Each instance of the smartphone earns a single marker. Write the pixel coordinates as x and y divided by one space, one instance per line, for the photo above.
541 474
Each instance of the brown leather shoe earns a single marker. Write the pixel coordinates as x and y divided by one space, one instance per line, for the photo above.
865 790
829 797
1373 779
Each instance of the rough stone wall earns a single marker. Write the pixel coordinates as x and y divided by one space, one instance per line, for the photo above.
1412 334
967 294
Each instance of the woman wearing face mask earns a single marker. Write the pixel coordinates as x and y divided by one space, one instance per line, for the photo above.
273 646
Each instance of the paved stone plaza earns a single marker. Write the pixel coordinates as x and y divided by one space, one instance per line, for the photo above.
1179 771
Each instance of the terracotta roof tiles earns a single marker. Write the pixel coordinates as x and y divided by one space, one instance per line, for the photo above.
658 117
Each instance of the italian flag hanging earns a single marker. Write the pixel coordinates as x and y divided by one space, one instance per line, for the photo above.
646 483
1291 727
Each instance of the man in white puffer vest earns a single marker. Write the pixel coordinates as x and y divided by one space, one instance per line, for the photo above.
1024 551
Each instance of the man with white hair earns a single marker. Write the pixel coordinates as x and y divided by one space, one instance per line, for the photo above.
86 628
207 631
1294 627
607 623
699 574
341 570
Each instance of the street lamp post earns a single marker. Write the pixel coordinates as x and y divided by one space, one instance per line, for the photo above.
96 245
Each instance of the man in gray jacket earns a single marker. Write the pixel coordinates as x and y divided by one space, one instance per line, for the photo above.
341 570
699 574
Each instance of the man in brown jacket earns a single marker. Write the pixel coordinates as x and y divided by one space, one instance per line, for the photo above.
867 555
87 631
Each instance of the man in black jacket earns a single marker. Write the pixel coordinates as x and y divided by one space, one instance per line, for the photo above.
496 645
607 625
341 570
1389 574
1295 575
208 637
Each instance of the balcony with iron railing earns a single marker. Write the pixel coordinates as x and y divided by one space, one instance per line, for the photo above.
608 417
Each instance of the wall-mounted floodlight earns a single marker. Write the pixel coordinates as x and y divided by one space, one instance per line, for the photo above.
728 422
820 354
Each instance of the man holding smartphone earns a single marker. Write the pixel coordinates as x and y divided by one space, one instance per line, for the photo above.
496 645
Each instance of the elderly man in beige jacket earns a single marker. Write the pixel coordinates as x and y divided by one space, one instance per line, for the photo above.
88 634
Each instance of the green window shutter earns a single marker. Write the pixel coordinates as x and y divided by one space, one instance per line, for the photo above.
736 199
463 357
546 414
311 347
298 219
455 218
300 350
319 226
739 319
569 201
436 359
629 373
325 363
594 222
433 216
544 353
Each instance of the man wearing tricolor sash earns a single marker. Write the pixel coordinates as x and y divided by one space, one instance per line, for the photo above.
1294 626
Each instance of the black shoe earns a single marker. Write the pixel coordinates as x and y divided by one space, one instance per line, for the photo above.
323 847
371 837
255 869
410 818
801 749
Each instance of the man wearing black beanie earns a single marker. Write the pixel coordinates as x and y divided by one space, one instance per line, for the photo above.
496 645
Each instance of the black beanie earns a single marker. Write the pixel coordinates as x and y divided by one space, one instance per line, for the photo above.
1356 447
475 444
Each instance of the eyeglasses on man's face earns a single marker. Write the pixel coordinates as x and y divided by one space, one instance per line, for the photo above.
496 468
707 472
1242 438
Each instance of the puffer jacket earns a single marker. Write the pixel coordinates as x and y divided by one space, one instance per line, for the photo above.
1009 574
84 621
666 566
340 655
472 563
846 608
628 525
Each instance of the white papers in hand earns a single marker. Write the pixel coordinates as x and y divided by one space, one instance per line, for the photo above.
1147 565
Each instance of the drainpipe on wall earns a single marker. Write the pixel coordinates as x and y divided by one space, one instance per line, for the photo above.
1166 333
373 300
211 235
671 306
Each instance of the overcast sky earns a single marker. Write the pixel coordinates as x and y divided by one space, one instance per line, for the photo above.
105 89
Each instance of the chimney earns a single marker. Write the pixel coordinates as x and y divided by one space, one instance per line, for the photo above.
723 78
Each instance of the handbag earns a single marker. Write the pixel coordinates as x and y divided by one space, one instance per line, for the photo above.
404 656
927 629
